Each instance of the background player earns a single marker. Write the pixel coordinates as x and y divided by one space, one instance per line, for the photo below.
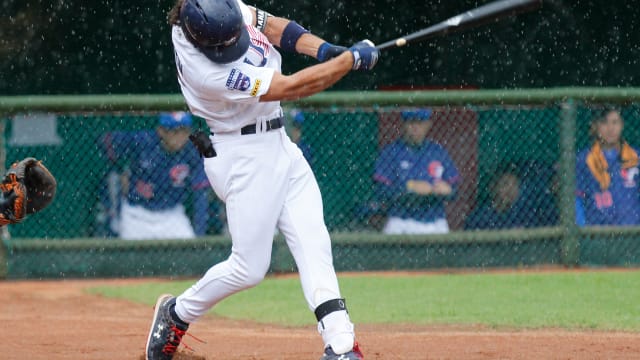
608 191
163 169
414 177
230 74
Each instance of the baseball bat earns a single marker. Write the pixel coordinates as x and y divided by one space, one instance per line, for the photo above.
469 19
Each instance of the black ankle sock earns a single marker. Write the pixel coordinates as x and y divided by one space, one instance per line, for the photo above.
176 318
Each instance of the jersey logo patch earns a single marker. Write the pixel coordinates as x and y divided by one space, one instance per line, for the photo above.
629 175
256 87
179 174
238 81
435 169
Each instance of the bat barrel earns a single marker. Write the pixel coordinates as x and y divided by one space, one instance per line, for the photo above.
476 17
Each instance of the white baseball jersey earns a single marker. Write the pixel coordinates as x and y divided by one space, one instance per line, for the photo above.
227 95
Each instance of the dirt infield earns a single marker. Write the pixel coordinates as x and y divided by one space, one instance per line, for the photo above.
57 320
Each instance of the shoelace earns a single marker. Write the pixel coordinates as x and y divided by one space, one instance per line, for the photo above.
171 346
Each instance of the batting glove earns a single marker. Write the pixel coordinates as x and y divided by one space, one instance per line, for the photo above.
328 51
365 55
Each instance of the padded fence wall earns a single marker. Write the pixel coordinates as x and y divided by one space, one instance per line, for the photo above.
485 134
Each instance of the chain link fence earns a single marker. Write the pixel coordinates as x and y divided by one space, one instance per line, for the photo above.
512 204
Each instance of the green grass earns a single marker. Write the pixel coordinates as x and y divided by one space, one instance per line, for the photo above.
573 300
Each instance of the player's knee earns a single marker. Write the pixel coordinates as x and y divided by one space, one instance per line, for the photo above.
248 273
250 276
254 278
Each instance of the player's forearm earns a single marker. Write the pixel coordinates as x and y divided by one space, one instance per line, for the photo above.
442 188
309 81
322 76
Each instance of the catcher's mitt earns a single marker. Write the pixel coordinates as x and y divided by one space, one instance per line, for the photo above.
28 187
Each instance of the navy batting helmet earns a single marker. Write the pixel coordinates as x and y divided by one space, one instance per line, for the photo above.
216 28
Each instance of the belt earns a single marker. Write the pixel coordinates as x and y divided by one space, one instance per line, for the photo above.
272 124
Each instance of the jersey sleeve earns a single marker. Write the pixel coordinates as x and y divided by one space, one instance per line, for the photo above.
240 82
383 173
582 174
451 174
247 15
199 179
581 218
387 185
118 144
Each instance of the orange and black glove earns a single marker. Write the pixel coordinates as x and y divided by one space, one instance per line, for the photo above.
27 188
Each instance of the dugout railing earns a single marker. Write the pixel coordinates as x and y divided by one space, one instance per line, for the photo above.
538 131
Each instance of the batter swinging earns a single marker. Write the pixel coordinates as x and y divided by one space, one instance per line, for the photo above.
230 74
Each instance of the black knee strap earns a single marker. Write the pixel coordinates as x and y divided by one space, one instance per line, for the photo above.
328 307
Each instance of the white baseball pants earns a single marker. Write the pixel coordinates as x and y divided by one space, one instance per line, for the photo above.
139 223
265 183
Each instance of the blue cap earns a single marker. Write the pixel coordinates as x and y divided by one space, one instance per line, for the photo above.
416 115
297 116
172 120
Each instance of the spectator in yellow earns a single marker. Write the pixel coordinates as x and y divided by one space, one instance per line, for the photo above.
608 192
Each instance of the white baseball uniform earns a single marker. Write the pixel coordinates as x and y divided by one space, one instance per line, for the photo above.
263 179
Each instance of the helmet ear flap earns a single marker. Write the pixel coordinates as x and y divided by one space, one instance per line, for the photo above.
187 34
186 11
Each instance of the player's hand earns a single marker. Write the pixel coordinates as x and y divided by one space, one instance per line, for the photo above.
365 55
328 51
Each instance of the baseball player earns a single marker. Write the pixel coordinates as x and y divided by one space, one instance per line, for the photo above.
163 170
229 71
607 175
414 177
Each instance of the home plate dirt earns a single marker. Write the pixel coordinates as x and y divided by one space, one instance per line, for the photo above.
58 320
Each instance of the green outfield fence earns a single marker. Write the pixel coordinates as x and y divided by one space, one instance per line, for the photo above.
534 132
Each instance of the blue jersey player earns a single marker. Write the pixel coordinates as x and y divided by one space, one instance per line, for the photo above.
607 175
163 169
414 178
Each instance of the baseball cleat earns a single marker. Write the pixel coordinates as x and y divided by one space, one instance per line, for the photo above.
354 354
165 335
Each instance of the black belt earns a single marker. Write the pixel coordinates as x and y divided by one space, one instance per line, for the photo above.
272 124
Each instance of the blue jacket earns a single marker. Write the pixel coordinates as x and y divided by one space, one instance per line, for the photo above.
399 162
619 204
158 179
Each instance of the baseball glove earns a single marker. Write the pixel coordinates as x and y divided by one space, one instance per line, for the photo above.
27 188
201 141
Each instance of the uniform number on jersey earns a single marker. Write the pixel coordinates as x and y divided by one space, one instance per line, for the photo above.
256 56
603 199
